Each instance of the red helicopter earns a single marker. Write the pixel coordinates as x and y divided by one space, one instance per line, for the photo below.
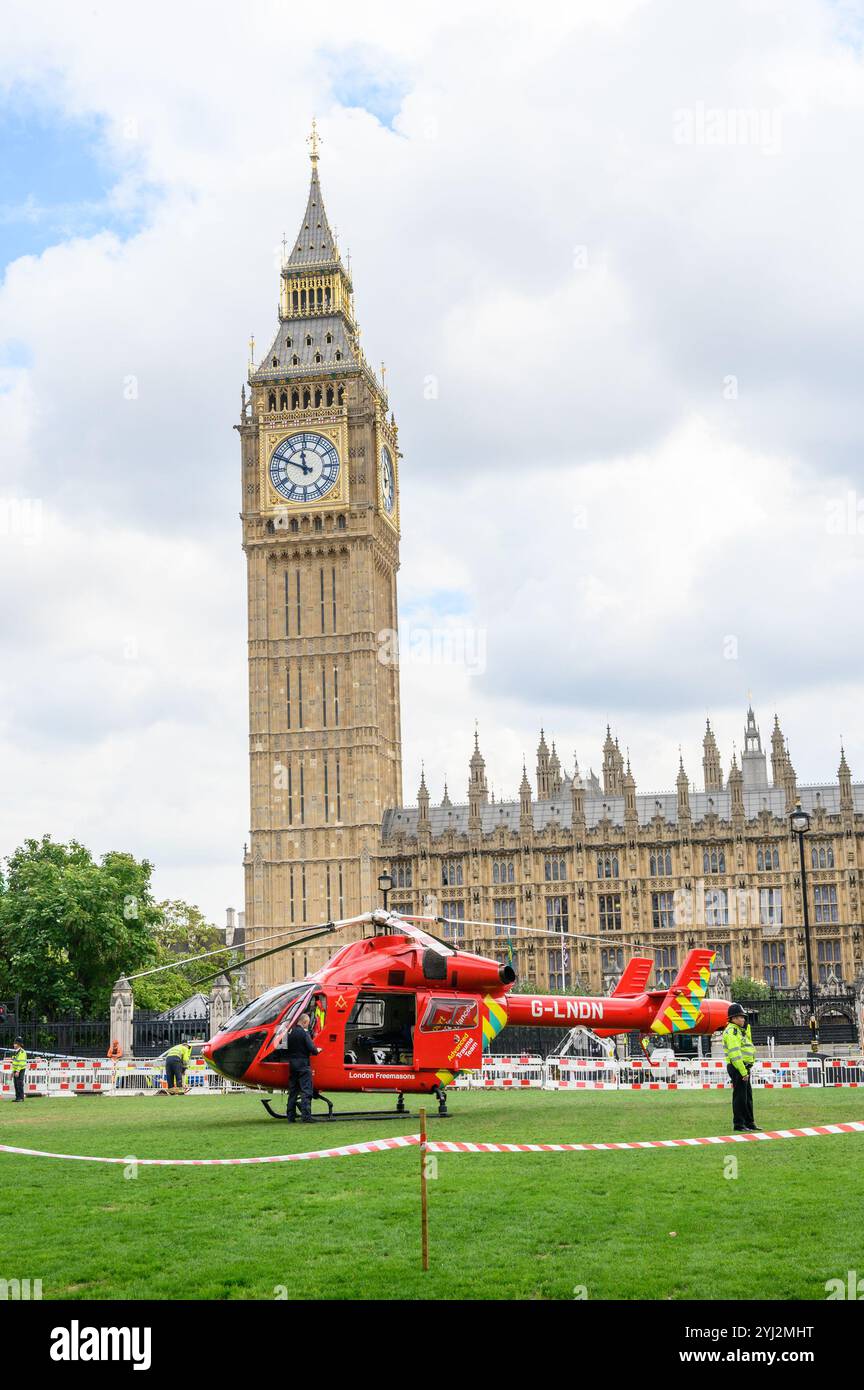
402 1011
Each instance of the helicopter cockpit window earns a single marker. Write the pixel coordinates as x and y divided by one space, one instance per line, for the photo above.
444 1014
266 1008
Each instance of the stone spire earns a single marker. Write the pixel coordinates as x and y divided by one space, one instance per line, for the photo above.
423 799
577 797
788 781
543 769
754 769
446 803
478 792
711 767
613 766
845 777
683 786
778 754
556 780
526 818
736 791
629 787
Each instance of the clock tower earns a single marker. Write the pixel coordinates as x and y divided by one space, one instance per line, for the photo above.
320 514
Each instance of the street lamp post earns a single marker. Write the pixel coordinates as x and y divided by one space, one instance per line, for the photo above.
800 822
385 884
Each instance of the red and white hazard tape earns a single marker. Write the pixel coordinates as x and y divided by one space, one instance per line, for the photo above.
442 1146
344 1151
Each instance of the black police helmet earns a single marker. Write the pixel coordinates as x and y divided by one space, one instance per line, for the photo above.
736 1011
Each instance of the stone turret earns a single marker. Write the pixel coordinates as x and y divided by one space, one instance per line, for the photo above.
478 792
423 800
543 769
683 785
712 769
779 755
526 817
613 766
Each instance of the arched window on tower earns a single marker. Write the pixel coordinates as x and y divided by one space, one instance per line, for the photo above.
294 524
295 399
338 356
317 357
295 301
308 339
327 296
271 401
283 400
341 395
329 395
317 523
306 398
340 523
275 361
317 395
295 361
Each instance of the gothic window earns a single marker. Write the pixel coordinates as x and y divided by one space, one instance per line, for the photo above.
502 871
329 395
822 856
329 337
714 861
271 401
338 356
317 396
556 870
294 524
774 964
317 357
829 959
327 296
307 398
663 911
504 916
825 902
454 920
341 400
609 911
287 342
295 361
295 400
611 959
557 914
665 966
607 866
275 362
767 858
722 955
340 522
295 302
308 339
402 874
283 401
716 907
317 523
661 863
770 907
451 873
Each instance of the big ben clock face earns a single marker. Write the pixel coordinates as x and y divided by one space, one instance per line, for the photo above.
304 467
388 483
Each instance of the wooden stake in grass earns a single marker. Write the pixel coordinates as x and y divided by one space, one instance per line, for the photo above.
424 1204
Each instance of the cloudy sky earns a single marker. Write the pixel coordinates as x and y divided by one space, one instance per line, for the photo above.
610 251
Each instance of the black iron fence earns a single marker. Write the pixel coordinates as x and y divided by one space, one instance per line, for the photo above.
152 1035
785 1016
77 1037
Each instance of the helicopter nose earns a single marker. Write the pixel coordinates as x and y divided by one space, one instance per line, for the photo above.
232 1056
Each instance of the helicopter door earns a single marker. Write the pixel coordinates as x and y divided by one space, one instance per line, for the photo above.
450 1035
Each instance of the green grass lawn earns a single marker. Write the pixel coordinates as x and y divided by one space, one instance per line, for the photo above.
652 1224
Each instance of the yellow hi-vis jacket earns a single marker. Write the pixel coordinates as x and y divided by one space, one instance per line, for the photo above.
19 1060
181 1050
738 1047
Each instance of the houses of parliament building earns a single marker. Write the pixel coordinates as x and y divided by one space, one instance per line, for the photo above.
589 869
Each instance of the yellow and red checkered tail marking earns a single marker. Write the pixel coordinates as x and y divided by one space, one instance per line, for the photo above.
679 1012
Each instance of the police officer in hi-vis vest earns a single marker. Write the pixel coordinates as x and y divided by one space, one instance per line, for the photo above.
176 1062
19 1066
740 1054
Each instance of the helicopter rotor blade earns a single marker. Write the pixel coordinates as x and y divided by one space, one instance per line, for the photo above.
328 930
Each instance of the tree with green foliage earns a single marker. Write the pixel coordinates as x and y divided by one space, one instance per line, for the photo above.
182 930
69 925
745 988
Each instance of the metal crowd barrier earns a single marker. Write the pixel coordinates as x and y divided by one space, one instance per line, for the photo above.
56 1076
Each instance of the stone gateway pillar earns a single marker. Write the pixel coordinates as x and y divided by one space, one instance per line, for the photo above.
122 1014
221 1007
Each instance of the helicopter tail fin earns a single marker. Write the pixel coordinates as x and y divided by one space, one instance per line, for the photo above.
635 977
679 1010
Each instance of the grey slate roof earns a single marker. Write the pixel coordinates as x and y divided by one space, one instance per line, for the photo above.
290 342
315 243
403 819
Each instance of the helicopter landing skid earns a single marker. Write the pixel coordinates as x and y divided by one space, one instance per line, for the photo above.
399 1113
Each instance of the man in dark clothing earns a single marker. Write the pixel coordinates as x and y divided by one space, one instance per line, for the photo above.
299 1047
